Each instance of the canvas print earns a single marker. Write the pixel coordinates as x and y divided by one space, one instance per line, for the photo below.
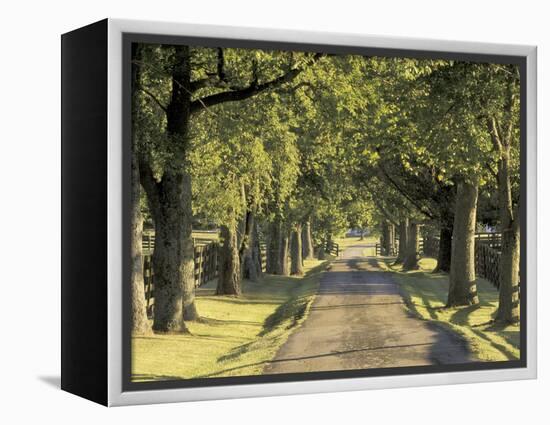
298 212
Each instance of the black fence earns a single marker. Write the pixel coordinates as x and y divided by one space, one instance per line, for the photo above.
487 254
332 248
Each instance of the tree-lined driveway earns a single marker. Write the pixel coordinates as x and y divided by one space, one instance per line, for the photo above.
359 321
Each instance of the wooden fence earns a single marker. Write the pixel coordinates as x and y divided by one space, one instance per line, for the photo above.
378 249
206 268
492 240
332 248
206 264
487 254
429 245
487 261
263 256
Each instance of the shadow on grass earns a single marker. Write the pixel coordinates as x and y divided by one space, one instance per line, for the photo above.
221 322
502 348
151 377
291 311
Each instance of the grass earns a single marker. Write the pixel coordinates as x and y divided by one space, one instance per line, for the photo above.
426 296
237 336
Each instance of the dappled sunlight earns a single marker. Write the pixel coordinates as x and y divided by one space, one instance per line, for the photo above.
426 296
235 336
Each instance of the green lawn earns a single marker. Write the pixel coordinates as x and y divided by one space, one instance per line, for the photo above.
426 295
237 336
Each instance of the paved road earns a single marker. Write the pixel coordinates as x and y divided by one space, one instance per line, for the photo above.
358 321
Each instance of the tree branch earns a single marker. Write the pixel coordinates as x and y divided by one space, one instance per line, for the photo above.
151 186
489 168
405 194
153 97
494 133
246 92
385 213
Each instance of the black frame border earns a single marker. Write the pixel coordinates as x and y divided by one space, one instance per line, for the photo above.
129 38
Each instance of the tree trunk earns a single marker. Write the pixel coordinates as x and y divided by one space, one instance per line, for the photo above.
229 275
508 305
403 238
447 208
445 249
392 239
462 279
170 204
296 264
307 242
273 244
173 258
362 234
386 238
411 259
248 265
140 323
256 250
284 266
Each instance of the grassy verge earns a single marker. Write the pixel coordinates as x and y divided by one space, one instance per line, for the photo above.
426 295
238 336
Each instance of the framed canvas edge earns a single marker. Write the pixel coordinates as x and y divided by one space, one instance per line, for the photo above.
118 397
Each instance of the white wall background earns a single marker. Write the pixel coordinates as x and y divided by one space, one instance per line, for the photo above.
30 212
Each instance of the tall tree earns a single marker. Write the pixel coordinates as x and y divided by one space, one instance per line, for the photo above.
502 124
140 323
297 266
184 87
462 280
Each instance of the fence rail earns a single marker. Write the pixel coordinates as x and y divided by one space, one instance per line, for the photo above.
205 259
487 262
429 245
332 248
206 264
148 240
487 254
263 256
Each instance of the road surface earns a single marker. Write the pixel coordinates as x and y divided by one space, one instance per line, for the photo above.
358 320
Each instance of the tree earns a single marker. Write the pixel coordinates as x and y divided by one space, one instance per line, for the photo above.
140 323
297 266
462 280
410 262
307 240
403 240
485 100
502 123
183 83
